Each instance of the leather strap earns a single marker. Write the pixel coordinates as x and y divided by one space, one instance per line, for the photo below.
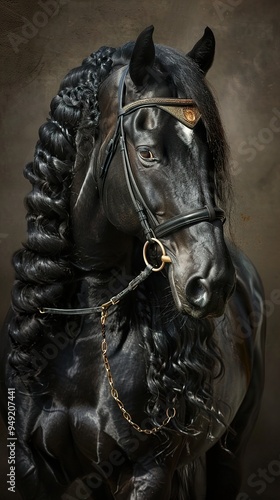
186 111
179 221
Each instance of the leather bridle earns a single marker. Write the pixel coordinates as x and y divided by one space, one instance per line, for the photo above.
184 110
187 113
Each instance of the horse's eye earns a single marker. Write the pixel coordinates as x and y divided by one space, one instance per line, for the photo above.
146 154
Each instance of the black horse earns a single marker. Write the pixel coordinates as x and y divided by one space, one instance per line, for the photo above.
138 371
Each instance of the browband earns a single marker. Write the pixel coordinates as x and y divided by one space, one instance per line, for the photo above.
184 110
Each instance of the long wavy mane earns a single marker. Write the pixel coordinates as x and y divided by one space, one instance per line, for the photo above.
182 360
45 272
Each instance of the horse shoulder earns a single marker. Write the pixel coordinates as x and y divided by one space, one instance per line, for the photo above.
240 336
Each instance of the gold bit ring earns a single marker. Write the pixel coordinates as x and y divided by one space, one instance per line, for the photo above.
164 258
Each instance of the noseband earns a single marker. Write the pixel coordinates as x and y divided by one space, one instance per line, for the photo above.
186 112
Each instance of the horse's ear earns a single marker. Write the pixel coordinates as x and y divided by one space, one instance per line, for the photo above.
204 50
143 56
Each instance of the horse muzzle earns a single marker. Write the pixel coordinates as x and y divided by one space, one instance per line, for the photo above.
204 292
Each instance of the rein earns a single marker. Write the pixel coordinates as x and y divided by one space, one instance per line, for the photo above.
103 309
184 110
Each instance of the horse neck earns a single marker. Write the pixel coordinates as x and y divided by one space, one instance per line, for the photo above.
98 245
106 258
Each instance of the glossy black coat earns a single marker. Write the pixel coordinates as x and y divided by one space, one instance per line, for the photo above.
191 337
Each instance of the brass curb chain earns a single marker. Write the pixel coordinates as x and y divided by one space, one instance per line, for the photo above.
170 412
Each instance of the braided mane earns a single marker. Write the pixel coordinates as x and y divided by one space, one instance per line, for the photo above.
43 267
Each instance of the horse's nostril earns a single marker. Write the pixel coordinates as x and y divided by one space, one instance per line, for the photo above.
197 292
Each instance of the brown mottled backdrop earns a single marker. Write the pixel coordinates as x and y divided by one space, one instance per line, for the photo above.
41 40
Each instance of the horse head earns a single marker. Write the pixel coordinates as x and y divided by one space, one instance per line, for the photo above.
159 158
